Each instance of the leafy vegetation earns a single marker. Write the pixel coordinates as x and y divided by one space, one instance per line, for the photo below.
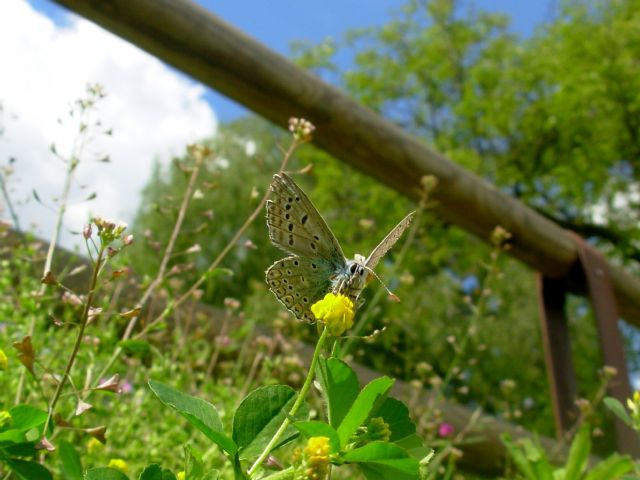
115 369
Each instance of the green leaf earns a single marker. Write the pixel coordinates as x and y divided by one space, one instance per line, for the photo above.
618 409
156 472
414 446
105 473
151 472
578 454
25 417
194 467
543 470
198 412
26 470
260 414
340 388
216 272
382 461
71 464
135 347
519 458
366 401
611 468
396 415
22 449
320 429
12 437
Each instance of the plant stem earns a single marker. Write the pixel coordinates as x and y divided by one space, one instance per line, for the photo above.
285 474
285 161
74 160
296 406
76 346
188 194
199 159
478 313
228 247
7 200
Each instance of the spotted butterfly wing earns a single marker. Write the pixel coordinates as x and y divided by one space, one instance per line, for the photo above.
299 283
297 227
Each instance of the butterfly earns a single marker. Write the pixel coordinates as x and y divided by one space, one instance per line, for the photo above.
317 265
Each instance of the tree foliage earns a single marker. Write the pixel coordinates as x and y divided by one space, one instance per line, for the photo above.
553 119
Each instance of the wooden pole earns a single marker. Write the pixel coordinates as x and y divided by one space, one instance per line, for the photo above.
195 41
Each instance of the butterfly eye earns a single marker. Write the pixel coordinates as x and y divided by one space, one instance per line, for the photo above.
361 272
353 268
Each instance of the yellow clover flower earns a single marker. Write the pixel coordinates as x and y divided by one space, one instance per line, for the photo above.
5 418
4 361
336 312
316 454
94 445
118 464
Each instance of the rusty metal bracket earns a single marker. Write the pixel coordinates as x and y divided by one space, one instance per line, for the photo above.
605 311
557 347
552 296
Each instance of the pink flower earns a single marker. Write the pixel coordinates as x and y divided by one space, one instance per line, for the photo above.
127 387
445 430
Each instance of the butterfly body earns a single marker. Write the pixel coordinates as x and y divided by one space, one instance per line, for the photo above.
317 265
352 280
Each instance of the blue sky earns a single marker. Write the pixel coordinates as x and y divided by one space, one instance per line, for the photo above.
277 23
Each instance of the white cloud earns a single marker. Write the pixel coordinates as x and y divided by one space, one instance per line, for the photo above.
153 110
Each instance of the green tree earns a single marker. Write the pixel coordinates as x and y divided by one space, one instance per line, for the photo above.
553 119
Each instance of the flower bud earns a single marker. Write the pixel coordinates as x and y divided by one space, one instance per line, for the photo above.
4 361
446 430
119 464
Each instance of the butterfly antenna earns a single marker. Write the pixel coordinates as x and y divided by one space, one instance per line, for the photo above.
392 295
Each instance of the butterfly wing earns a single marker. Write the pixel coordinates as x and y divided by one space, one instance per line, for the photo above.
297 227
299 282
389 241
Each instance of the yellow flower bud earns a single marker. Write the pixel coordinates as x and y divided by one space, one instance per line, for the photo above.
181 475
4 361
5 418
119 464
94 445
336 312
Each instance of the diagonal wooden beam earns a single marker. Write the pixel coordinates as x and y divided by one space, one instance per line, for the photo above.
197 42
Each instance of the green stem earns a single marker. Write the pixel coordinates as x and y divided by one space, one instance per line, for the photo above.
232 243
296 406
9 204
74 160
478 313
285 474
76 346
